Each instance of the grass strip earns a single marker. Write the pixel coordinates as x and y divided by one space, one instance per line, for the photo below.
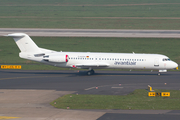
138 100
84 2
161 14
90 23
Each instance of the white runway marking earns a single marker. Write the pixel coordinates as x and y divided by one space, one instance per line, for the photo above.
101 86
117 87
90 88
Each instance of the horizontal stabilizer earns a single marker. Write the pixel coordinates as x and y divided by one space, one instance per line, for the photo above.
16 35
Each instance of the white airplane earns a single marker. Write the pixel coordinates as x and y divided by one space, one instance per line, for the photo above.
87 60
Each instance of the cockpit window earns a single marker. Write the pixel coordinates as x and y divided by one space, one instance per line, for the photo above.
166 59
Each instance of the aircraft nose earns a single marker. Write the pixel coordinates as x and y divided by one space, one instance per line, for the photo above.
172 65
175 65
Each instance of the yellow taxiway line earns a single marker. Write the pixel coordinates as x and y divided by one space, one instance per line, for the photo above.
7 117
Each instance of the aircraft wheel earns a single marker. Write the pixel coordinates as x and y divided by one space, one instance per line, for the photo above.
90 72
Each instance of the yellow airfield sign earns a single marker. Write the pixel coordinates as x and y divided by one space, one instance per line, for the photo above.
10 66
162 94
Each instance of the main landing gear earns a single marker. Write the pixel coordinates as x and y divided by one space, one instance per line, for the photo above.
90 72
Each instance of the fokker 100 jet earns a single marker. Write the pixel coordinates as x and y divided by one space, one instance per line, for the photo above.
91 60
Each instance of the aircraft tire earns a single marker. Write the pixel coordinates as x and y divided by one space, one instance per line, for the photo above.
90 72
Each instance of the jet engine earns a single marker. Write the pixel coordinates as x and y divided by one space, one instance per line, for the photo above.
56 58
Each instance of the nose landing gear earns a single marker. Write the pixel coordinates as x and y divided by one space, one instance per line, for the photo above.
90 72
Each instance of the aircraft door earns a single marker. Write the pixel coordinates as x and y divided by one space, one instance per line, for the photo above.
156 62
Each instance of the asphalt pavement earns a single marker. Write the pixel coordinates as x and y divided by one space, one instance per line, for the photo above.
93 32
27 94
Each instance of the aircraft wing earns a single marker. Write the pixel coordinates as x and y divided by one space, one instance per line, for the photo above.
90 65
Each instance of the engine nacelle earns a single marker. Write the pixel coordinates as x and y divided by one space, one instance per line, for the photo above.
57 58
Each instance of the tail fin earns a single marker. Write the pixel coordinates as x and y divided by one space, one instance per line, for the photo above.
25 43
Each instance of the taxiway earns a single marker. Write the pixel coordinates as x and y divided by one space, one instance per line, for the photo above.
27 94
93 32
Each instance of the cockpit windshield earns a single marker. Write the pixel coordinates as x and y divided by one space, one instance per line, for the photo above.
166 59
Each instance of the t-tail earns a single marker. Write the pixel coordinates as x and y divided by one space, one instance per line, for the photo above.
27 46
25 43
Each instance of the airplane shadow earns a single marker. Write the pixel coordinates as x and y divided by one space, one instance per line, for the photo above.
120 73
